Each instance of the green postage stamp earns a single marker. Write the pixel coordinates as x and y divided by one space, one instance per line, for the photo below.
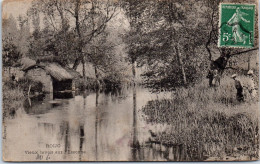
236 25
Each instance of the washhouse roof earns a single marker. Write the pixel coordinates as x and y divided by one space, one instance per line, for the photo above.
58 72
52 68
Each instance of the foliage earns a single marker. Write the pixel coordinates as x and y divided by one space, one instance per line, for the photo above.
166 38
10 54
11 51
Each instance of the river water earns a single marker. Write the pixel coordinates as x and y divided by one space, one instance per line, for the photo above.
88 126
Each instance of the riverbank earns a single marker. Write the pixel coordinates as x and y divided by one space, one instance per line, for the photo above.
15 92
208 123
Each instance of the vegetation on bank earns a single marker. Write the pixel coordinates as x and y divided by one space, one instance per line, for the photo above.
208 122
15 92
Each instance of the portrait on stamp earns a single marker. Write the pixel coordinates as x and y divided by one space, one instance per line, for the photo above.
130 80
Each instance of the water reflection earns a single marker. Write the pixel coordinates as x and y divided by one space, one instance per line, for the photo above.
67 136
82 134
94 126
38 104
135 144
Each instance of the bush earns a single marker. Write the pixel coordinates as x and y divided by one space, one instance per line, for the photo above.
12 99
14 93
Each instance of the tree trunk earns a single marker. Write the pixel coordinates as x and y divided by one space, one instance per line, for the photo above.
133 71
84 74
77 25
77 8
181 65
97 78
81 55
96 74
177 46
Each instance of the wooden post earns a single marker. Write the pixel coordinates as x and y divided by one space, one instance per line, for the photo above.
29 90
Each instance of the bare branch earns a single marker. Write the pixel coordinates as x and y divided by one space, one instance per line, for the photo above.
241 52
231 68
96 31
73 14
52 23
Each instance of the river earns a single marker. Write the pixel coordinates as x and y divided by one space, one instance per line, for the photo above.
93 126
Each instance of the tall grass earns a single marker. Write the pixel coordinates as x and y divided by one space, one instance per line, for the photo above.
208 122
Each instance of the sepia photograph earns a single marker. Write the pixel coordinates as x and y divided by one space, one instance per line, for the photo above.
130 80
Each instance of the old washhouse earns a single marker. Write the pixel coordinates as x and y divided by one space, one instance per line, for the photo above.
53 76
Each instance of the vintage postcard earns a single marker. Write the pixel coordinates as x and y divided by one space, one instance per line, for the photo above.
130 80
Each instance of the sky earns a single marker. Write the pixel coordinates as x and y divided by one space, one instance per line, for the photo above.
15 7
20 7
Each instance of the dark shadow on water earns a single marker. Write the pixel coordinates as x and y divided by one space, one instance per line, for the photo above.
64 95
45 102
47 127
81 140
65 133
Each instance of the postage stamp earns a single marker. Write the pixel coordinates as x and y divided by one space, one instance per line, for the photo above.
236 25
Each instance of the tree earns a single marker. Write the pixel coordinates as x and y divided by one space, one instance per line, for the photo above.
10 39
23 34
10 30
165 37
133 9
70 21
10 54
